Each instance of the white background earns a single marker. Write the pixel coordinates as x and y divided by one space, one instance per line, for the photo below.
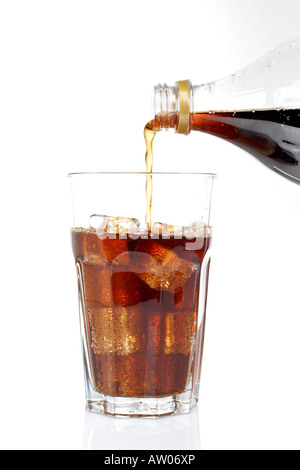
76 79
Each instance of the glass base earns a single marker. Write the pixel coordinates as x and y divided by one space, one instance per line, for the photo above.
142 407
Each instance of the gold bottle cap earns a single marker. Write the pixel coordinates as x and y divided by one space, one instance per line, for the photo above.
184 107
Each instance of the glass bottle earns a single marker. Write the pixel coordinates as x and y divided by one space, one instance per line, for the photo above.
257 109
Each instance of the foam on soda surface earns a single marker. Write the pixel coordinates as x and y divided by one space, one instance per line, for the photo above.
104 224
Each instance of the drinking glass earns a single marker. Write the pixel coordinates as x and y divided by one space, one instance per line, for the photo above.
142 283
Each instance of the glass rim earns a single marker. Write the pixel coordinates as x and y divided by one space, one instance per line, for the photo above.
142 173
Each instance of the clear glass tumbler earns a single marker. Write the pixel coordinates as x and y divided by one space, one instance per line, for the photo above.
142 282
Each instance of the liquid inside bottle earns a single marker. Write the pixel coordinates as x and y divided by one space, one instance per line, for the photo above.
256 109
271 136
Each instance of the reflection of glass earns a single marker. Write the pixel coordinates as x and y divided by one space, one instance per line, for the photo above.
173 433
142 289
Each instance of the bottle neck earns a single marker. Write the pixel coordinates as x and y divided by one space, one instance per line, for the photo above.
270 83
173 107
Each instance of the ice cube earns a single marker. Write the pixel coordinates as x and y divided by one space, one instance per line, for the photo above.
165 375
159 229
162 268
97 222
105 224
197 230
88 247
129 289
172 332
97 286
155 331
188 297
116 330
97 251
180 332
120 376
165 231
117 250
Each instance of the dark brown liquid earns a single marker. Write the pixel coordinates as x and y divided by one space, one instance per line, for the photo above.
141 302
271 136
